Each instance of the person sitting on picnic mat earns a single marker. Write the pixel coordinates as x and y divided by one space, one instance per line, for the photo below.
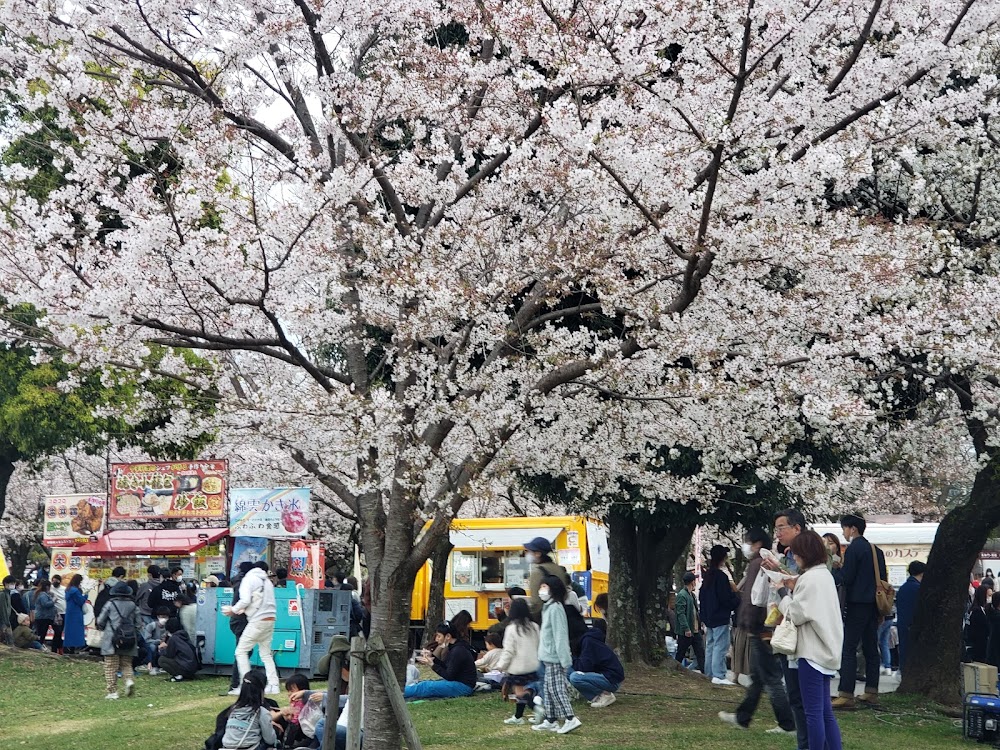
457 669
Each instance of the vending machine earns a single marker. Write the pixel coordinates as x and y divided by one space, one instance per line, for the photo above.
305 623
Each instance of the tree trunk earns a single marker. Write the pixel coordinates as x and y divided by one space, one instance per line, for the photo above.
439 572
642 560
19 552
6 472
935 648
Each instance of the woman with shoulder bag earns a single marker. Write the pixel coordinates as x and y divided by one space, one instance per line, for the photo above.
814 611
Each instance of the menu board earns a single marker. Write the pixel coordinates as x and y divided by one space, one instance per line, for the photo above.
73 519
273 514
168 491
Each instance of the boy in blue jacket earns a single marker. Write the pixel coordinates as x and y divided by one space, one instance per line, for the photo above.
597 672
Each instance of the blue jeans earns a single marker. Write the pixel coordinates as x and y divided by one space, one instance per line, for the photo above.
823 729
341 739
884 631
795 701
539 685
592 684
436 689
715 651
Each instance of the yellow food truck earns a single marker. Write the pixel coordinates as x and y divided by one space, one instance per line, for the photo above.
488 559
4 571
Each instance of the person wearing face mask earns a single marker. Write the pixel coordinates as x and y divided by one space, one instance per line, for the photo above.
765 667
538 552
861 617
155 633
166 592
718 601
59 597
555 656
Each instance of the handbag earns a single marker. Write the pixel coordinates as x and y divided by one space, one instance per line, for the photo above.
760 592
885 594
785 637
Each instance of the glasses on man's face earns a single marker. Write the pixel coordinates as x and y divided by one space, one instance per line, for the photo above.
781 527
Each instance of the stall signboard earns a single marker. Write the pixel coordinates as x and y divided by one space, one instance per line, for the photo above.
73 519
169 491
248 549
279 513
67 564
306 564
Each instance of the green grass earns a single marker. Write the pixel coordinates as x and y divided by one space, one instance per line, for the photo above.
48 703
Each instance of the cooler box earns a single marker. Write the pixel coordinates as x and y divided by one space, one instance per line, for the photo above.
981 718
979 679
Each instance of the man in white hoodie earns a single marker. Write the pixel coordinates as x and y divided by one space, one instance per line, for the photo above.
257 603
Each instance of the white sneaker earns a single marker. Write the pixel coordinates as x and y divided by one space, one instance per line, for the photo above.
779 730
272 690
730 718
537 700
603 700
153 671
569 725
886 671
234 691
745 680
720 681
546 726
111 697
513 720
129 688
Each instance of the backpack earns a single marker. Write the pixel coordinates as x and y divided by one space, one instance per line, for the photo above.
123 637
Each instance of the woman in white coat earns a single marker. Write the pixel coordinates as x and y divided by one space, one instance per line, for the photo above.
810 601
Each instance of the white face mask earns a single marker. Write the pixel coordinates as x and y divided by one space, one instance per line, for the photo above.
747 549
162 620
544 594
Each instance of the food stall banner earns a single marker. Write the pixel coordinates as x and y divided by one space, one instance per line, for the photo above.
73 519
306 564
248 549
278 513
177 490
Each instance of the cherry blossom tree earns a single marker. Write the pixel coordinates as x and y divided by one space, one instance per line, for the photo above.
414 213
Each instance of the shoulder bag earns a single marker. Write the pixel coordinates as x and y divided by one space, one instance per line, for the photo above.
885 594
785 638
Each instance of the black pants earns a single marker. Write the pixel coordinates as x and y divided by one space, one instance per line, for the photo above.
172 668
765 673
693 641
860 625
795 701
42 630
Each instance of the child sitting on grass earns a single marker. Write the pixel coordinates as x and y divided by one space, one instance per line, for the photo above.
288 717
489 661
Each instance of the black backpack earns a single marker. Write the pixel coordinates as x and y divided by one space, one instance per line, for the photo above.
123 637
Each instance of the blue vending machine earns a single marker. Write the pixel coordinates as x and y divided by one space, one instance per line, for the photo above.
305 622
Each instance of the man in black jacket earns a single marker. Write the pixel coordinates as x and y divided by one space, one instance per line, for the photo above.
861 618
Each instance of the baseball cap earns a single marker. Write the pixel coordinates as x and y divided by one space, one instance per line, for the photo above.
539 544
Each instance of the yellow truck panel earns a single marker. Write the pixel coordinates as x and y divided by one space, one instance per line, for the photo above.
487 559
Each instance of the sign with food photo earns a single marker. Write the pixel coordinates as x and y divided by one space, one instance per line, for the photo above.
73 519
272 514
175 490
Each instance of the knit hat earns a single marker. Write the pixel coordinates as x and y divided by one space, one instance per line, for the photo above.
122 590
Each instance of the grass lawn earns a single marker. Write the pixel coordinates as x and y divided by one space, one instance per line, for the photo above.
48 703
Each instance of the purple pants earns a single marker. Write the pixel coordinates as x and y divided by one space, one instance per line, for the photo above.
824 733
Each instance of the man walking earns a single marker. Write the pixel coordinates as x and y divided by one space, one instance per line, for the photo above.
688 627
257 602
765 668
857 576
788 524
906 607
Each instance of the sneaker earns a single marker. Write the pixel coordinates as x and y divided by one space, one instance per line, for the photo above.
118 675
111 697
603 700
129 688
868 699
745 680
537 700
272 690
569 725
234 691
153 671
727 717
546 726
886 671
177 678
513 720
779 730
141 669
720 681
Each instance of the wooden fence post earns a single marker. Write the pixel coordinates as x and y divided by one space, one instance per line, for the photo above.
355 694
334 684
395 693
